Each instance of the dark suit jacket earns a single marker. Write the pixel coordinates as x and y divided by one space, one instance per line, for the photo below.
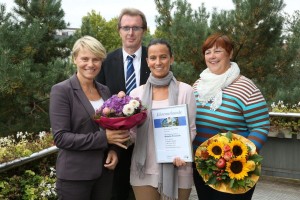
82 145
112 71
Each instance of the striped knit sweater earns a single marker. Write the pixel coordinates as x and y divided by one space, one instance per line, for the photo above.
243 111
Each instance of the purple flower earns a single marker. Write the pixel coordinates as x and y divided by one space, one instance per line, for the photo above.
113 107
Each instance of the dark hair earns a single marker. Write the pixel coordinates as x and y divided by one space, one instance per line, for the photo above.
160 41
220 40
132 12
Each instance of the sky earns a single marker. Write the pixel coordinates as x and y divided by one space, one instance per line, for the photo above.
76 9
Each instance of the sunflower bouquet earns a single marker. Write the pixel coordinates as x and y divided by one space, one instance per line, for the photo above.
228 163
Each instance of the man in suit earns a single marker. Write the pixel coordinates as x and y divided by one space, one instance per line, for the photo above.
132 26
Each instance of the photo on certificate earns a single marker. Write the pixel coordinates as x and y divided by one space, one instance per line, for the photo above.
172 136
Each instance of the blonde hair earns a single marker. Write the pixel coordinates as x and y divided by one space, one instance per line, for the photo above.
90 43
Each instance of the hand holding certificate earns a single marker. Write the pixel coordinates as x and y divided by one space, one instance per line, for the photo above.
172 134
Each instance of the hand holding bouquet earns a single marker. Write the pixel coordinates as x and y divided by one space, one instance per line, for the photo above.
121 112
228 163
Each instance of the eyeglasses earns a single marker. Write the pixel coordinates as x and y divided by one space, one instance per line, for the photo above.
133 28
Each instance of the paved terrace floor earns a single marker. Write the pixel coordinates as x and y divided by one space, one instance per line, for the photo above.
270 188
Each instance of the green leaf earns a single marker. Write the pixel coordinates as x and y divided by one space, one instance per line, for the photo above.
229 135
256 158
212 180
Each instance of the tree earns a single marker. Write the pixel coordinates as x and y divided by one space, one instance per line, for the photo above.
261 46
188 30
264 50
32 59
288 89
106 32
185 29
256 28
49 16
164 19
184 72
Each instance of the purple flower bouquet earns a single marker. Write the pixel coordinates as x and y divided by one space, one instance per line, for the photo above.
121 112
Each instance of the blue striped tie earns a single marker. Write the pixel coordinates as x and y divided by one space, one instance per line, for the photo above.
130 75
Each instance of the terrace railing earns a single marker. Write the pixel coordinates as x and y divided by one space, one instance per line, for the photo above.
54 149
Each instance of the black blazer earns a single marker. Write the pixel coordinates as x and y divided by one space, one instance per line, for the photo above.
112 71
82 145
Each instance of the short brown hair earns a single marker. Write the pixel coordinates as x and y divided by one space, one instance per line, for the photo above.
132 12
220 40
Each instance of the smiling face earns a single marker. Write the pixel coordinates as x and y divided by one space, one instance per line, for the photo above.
159 60
217 50
217 59
132 38
88 64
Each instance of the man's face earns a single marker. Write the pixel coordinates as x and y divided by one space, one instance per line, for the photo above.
131 32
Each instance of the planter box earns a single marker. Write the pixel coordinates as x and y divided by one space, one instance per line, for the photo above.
281 157
281 132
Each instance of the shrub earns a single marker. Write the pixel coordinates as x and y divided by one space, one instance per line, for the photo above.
284 121
35 180
23 145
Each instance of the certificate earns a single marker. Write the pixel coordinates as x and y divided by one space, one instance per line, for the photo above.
172 136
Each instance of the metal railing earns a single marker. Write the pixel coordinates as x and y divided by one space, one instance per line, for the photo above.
21 161
279 114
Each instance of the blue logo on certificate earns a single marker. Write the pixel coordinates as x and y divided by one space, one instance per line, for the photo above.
170 121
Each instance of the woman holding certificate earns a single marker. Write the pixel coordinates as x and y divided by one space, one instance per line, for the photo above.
226 101
150 179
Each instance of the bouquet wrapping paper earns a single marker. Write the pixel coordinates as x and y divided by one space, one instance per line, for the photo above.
228 163
121 112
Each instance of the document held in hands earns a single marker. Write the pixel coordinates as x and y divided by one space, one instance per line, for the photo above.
172 136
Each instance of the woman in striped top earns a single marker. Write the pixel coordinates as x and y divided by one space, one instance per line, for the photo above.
226 101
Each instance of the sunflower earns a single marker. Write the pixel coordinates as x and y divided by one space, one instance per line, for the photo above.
223 139
239 149
237 168
214 149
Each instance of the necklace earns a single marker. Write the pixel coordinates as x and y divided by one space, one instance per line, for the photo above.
91 89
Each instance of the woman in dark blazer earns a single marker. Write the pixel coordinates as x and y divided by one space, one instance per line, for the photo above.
87 153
